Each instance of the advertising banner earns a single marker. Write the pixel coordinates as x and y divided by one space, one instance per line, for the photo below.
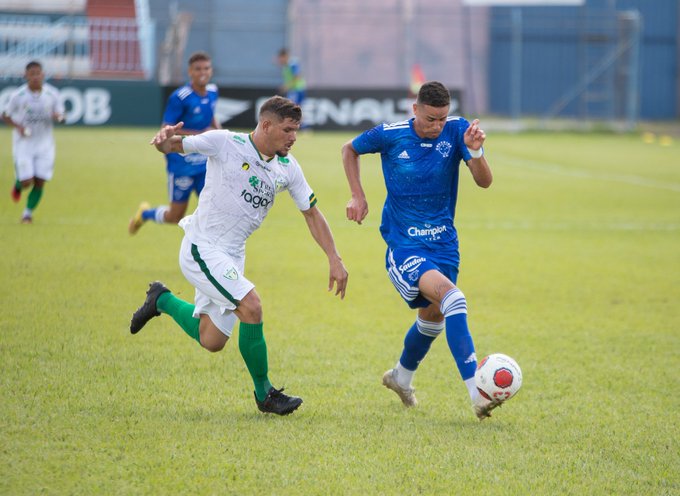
327 109
103 103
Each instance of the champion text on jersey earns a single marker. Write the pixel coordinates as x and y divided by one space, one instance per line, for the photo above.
404 154
429 232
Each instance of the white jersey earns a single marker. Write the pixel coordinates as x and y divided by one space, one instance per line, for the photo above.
239 190
35 111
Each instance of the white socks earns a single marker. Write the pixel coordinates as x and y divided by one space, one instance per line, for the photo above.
404 376
160 214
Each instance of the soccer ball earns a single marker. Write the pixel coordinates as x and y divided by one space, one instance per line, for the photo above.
498 377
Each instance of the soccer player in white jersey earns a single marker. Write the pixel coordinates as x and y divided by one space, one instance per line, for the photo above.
32 110
244 174
421 160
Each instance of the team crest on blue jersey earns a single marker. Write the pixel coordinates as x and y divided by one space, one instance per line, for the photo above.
444 147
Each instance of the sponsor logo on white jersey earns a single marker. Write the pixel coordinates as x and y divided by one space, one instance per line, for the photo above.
262 195
404 154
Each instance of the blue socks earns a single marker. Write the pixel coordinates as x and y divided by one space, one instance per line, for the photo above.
155 214
420 336
418 341
454 308
149 214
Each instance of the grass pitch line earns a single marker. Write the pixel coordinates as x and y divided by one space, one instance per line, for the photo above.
562 170
568 226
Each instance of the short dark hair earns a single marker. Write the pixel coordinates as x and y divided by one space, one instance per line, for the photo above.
281 107
199 57
283 52
435 94
32 64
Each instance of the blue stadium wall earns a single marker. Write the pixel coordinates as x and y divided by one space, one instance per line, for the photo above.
242 36
545 78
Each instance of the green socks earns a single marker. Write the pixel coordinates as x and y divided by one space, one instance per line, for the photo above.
17 185
251 341
34 198
253 349
182 312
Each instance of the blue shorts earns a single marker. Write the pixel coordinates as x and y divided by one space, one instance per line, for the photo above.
180 187
406 266
296 96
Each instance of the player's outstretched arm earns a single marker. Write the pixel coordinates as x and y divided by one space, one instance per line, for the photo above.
321 232
474 138
357 206
167 140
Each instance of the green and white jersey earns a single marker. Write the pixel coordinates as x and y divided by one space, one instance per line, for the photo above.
240 187
35 110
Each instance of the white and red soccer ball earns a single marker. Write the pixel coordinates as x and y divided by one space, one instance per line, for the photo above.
498 377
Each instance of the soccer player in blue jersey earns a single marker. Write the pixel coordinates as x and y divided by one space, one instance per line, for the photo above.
194 104
421 161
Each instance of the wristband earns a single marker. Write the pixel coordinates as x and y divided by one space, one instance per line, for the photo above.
476 153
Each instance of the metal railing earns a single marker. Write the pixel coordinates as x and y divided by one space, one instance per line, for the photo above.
76 46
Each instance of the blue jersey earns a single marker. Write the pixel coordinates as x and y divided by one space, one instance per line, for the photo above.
421 177
197 113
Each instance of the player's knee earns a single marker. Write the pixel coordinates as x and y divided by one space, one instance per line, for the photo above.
431 313
211 338
213 347
173 217
250 308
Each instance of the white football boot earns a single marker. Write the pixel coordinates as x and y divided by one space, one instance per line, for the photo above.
407 395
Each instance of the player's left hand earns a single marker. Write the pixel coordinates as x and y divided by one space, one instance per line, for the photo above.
338 277
474 136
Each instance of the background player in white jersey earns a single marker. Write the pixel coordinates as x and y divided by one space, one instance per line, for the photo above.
245 172
32 110
194 105
420 160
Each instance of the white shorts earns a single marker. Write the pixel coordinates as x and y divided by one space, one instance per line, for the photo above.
33 158
219 282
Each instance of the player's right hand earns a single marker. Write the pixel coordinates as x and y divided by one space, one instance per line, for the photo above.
357 209
165 133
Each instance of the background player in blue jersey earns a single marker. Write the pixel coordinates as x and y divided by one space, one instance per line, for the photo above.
420 161
194 104
294 85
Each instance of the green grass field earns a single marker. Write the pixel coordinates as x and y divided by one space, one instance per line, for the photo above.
571 264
